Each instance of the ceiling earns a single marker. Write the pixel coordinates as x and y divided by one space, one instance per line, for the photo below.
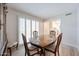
44 10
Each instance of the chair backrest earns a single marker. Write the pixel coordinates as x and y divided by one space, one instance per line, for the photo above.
35 34
58 41
25 45
52 33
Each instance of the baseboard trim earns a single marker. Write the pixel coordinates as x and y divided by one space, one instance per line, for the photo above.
78 47
68 44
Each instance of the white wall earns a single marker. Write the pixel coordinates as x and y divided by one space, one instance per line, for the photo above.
68 28
78 28
11 25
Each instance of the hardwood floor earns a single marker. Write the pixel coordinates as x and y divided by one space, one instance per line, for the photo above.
64 51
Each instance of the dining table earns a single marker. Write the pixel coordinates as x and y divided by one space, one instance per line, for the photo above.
42 42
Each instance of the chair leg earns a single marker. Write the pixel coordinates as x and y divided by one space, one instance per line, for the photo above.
10 51
55 54
17 46
58 53
41 52
44 52
25 53
38 51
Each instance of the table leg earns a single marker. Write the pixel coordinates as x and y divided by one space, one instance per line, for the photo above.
43 51
10 51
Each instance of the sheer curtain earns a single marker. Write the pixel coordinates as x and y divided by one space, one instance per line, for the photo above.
21 29
27 26
52 25
28 29
33 26
37 27
56 26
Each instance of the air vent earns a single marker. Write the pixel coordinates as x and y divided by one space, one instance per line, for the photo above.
68 14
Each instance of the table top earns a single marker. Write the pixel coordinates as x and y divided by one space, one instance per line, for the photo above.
44 40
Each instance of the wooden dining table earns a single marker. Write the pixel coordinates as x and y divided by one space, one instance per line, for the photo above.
44 41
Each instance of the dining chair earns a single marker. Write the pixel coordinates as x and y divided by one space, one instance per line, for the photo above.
27 49
55 49
52 38
52 33
12 45
35 37
35 34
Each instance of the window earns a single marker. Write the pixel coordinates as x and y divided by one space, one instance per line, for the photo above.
21 29
46 27
27 26
28 29
56 25
37 26
33 26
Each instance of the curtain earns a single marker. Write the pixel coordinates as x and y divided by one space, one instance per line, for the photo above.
27 26
21 29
